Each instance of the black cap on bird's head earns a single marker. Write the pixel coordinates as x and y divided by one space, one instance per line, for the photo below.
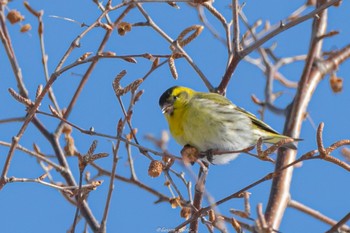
166 100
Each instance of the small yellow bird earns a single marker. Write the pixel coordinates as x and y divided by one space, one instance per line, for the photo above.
209 121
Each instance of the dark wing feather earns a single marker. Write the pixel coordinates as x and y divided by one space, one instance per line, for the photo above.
260 124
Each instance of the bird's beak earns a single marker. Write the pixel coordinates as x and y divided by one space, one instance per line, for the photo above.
167 108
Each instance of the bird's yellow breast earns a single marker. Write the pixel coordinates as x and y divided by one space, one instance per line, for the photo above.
176 127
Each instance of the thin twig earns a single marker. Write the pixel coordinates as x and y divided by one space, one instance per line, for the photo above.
316 214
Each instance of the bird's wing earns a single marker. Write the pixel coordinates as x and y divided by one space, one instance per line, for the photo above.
221 100
258 123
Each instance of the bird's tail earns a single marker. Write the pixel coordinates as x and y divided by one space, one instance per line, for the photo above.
273 139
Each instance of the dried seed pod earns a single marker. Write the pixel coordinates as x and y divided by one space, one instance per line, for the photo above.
167 183
116 83
69 148
175 202
25 28
185 212
184 41
189 154
172 67
336 83
123 28
155 168
14 16
67 129
211 214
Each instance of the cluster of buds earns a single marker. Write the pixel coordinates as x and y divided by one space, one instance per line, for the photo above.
14 16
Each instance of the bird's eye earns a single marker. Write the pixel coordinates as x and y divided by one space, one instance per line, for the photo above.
175 97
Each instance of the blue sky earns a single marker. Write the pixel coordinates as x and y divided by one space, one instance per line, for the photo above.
29 207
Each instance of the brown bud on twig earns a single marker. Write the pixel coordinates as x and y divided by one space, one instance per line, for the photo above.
87 176
42 176
167 183
14 16
53 111
38 91
256 100
138 96
177 55
86 189
107 54
239 213
20 98
133 86
92 148
184 41
91 158
155 168
36 148
84 56
130 136
155 63
173 4
148 56
84 160
235 224
130 59
123 28
120 127
116 83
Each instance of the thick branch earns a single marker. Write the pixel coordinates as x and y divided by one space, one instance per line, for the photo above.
312 75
